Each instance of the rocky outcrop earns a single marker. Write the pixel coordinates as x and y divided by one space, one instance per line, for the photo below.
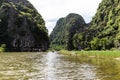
22 27
105 26
103 32
62 35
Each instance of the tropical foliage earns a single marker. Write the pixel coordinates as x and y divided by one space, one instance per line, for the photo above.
64 31
21 26
102 33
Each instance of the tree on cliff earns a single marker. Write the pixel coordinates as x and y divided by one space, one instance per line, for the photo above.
62 35
102 33
22 28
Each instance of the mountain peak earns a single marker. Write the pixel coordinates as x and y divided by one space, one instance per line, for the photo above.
16 1
22 28
65 29
23 2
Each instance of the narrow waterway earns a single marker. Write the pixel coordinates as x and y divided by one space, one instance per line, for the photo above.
53 66
44 66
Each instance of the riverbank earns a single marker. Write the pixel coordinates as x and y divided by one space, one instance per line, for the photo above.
107 62
107 54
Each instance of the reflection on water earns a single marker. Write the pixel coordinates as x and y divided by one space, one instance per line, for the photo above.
60 67
109 69
54 66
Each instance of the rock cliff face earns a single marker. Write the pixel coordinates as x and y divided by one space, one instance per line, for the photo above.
21 27
103 32
105 26
62 35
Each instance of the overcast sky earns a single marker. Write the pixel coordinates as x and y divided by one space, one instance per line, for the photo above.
52 10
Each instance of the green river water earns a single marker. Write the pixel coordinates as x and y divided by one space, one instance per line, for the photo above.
54 66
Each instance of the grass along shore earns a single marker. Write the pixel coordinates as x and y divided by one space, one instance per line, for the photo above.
93 54
107 63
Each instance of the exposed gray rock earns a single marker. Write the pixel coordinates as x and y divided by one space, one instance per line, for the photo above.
21 27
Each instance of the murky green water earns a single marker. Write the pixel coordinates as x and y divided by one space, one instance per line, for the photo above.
54 66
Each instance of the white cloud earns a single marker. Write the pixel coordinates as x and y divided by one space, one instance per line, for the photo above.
52 10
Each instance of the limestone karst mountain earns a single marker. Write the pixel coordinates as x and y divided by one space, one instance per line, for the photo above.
22 28
64 31
105 26
102 33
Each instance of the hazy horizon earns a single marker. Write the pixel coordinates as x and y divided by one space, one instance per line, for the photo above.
52 10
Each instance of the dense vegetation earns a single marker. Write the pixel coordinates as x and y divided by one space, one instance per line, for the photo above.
102 33
65 30
22 27
105 26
